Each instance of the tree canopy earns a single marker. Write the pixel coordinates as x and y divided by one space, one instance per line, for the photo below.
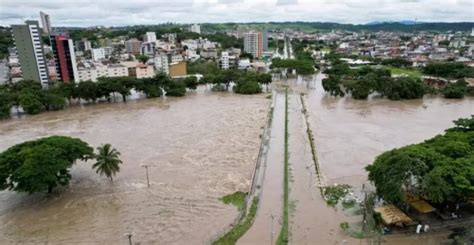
440 169
42 164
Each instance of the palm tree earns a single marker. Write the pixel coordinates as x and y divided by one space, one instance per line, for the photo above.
107 161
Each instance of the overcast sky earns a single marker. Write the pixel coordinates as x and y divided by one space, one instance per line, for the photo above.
133 12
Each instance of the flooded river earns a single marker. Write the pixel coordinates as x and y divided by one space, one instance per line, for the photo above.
350 133
202 147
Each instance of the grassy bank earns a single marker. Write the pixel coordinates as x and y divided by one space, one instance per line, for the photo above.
413 73
239 230
283 237
237 199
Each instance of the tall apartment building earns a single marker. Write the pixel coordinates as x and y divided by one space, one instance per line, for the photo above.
83 45
265 40
64 57
253 44
133 46
161 63
30 52
150 37
196 28
224 61
45 23
98 54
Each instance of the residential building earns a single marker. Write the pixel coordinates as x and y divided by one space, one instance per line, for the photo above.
98 54
209 53
83 45
178 69
253 44
196 28
45 23
176 58
133 46
92 71
150 37
141 71
148 48
64 57
160 62
224 61
30 52
265 40
244 64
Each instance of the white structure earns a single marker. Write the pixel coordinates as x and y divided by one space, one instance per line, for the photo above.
253 44
150 37
92 71
224 62
98 54
176 58
161 63
196 28
45 23
244 64
148 48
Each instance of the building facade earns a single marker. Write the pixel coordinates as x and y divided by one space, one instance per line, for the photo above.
45 23
133 46
98 54
64 57
253 44
83 45
150 37
178 69
196 28
224 61
30 52
91 72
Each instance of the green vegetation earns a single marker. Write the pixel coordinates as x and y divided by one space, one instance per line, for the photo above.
237 198
283 237
366 80
410 72
42 164
108 161
245 82
450 70
6 41
204 67
239 230
440 169
33 99
455 90
303 67
333 194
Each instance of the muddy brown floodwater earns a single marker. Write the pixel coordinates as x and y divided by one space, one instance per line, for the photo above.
202 146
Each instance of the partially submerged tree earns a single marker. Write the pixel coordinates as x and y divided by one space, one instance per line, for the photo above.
108 161
42 164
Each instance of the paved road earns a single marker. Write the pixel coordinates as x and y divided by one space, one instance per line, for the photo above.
272 188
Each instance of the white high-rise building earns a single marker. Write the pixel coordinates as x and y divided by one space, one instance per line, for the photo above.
196 28
150 37
46 23
224 60
161 63
98 54
253 44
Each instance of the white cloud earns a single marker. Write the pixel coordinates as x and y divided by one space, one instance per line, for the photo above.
123 12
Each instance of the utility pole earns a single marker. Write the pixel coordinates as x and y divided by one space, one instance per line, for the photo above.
147 178
129 235
271 234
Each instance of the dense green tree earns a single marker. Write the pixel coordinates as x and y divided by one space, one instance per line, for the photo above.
403 88
88 90
108 161
247 87
440 169
191 82
450 70
143 58
53 100
332 84
31 103
42 164
176 88
455 90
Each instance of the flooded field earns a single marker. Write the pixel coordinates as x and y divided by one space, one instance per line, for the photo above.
201 147
350 133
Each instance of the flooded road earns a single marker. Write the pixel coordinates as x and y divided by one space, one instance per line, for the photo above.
264 230
201 147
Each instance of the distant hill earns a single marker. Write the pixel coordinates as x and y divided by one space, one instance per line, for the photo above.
404 22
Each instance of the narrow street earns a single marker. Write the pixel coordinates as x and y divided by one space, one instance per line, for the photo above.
265 230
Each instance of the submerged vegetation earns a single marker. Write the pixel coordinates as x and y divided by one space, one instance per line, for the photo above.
237 199
239 230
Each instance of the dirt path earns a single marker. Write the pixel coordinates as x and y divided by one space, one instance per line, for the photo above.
272 187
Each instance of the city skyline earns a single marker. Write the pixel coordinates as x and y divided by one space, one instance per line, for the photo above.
84 13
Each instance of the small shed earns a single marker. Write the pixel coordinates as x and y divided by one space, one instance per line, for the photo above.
419 203
391 215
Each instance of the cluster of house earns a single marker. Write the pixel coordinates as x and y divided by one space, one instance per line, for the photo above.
420 48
